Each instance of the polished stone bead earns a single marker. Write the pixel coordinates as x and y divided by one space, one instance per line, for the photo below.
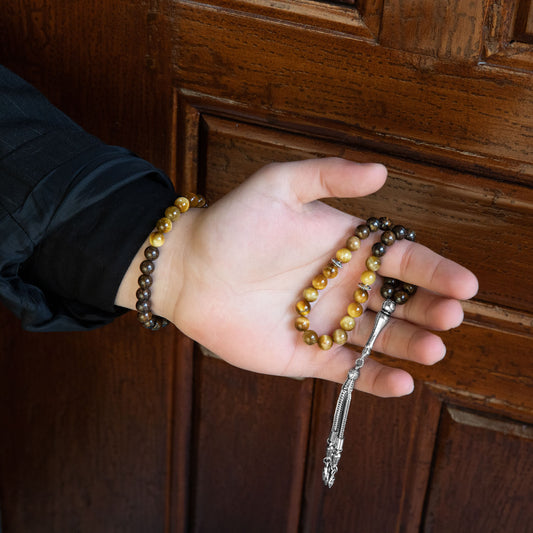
330 271
353 243
409 288
142 306
368 277
143 294
388 238
373 224
325 342
355 309
400 297
373 263
151 253
144 317
340 336
145 281
310 294
303 307
362 231
319 282
410 235
310 337
379 249
301 323
163 225
387 291
182 204
157 239
343 255
147 267
347 323
202 202
360 296
194 199
399 231
385 223
172 213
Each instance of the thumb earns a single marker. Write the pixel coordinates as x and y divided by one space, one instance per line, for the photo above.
333 177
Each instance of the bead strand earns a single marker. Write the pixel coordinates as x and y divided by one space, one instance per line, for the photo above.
151 253
391 289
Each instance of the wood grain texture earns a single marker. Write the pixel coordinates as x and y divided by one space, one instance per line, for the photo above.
386 456
250 436
84 429
475 115
488 472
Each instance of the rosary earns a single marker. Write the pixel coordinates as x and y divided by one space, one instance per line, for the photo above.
393 291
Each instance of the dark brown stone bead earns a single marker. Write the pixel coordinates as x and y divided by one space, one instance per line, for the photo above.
400 297
409 288
385 223
399 231
147 267
373 224
151 253
410 235
379 249
388 238
362 231
387 291
392 281
142 306
145 317
143 294
145 281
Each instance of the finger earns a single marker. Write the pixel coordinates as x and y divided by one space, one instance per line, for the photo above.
333 177
374 378
400 339
415 263
424 308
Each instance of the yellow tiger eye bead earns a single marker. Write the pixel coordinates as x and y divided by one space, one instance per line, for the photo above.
353 243
343 255
319 282
340 336
310 337
355 309
301 323
310 294
330 271
182 204
172 213
303 307
194 199
157 239
368 277
164 225
373 263
347 323
360 296
325 342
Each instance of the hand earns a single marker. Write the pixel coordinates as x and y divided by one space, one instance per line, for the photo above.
240 267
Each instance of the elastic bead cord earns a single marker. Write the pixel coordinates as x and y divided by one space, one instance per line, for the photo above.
151 253
392 289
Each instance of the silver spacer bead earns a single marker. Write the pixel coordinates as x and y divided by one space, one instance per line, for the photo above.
336 262
366 288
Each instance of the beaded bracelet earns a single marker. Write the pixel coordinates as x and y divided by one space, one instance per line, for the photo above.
393 291
151 253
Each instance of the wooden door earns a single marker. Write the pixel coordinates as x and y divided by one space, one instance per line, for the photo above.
120 430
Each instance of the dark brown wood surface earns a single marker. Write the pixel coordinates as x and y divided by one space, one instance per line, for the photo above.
121 430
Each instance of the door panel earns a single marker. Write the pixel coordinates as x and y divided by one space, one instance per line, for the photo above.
117 431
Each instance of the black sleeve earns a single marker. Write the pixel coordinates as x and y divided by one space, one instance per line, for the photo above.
73 213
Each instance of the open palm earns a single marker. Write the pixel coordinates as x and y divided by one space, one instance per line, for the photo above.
251 254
